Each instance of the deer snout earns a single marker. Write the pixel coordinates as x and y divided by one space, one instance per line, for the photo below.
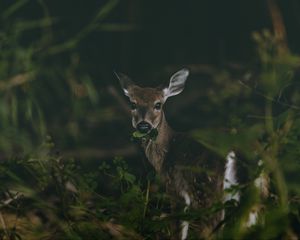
144 127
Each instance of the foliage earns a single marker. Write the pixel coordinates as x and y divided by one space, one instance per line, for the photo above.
271 138
152 135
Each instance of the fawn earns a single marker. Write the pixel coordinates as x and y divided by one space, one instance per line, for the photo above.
194 176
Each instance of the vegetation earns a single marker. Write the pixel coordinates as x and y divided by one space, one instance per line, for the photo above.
67 167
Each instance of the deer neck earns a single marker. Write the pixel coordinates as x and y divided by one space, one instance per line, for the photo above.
156 150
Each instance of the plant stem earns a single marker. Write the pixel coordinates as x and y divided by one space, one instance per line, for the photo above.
147 199
271 157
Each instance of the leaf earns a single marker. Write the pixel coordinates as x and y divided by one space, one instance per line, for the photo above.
129 177
138 134
150 135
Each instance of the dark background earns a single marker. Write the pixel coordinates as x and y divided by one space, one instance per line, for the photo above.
151 35
75 88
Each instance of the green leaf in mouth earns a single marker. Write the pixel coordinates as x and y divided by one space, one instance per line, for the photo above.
138 134
150 135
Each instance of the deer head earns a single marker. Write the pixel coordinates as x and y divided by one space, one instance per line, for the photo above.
147 103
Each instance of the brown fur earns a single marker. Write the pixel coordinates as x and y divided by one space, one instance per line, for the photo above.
193 175
145 98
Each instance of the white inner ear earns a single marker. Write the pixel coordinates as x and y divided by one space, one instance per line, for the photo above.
166 93
176 84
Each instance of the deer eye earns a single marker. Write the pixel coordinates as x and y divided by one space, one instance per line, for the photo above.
133 106
157 106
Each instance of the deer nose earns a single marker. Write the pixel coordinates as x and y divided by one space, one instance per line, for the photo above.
143 127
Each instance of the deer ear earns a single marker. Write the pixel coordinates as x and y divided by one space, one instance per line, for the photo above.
176 84
125 82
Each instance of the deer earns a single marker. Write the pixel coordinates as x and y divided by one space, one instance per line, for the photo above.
194 176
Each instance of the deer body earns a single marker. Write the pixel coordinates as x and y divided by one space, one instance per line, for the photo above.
184 164
193 175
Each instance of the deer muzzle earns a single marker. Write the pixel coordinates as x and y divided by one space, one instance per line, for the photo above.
144 127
